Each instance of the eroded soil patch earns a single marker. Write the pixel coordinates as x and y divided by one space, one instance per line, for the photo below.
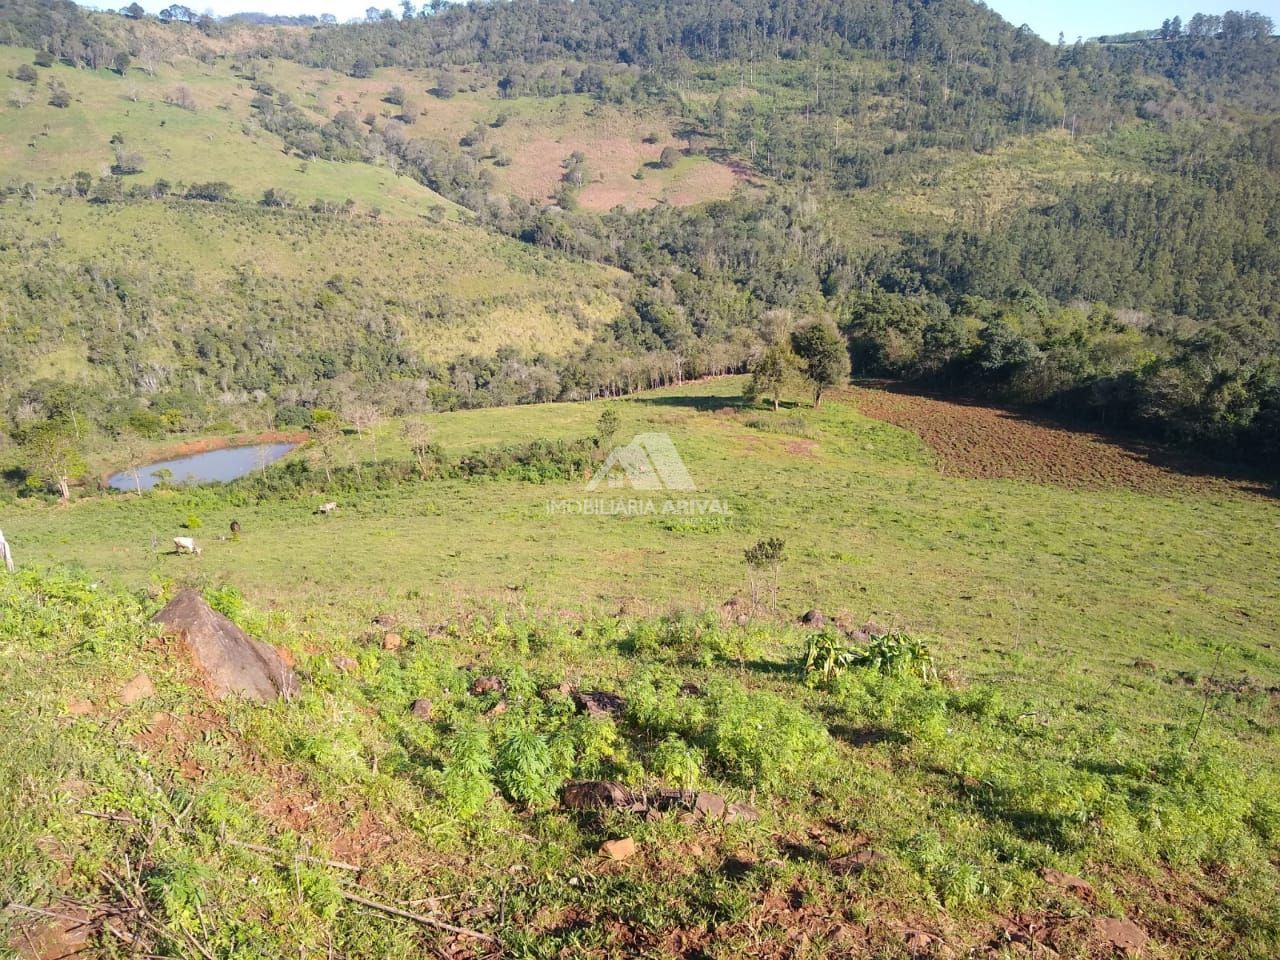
981 442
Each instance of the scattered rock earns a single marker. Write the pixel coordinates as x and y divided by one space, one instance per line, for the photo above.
345 664
596 795
497 710
869 630
423 709
598 703
814 619
139 688
483 685
855 863
1067 881
79 707
392 641
741 813
739 865
620 849
66 935
230 660
562 689
918 941
737 610
710 805
1123 935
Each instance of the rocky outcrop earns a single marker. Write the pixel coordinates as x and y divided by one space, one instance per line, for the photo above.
231 662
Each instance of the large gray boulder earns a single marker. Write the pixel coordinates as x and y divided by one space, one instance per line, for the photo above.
231 661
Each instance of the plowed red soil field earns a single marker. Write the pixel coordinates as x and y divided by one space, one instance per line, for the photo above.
972 440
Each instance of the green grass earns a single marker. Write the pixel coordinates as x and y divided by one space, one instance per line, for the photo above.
870 527
217 141
1078 635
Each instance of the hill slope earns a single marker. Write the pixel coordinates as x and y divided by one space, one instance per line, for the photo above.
1092 739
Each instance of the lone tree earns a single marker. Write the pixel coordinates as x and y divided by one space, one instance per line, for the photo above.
426 455
53 452
606 426
822 355
765 557
59 96
326 428
769 374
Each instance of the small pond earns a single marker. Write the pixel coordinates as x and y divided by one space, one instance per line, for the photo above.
212 466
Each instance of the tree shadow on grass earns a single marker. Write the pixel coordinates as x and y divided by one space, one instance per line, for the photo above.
701 404
771 668
866 735
1007 805
1000 805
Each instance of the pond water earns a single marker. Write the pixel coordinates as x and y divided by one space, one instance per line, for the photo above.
212 466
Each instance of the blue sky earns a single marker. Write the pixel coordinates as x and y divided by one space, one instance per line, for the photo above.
1087 18
1090 18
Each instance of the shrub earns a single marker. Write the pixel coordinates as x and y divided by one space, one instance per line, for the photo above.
466 783
752 738
58 95
758 739
674 761
227 600
896 653
215 191
525 769
827 657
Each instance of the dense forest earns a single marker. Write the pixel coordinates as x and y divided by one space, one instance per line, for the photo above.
1148 300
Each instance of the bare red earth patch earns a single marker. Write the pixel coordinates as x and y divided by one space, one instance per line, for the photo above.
981 442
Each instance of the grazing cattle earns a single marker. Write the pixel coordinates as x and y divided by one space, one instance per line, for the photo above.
329 507
186 545
235 528
6 555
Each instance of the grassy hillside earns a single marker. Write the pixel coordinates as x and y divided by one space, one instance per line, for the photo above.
186 292
219 137
217 140
1103 705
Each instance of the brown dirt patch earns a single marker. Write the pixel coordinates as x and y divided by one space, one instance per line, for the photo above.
615 150
802 448
982 442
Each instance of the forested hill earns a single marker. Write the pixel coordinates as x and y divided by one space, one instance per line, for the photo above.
1088 225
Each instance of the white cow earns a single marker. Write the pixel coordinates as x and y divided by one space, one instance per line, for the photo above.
6 554
329 507
186 545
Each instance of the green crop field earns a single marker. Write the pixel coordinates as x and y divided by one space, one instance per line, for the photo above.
1100 700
